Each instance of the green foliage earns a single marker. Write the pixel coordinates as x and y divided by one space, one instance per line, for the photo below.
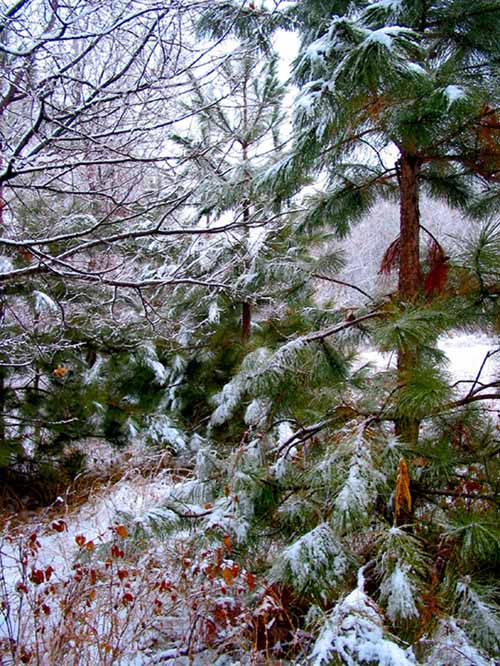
408 326
483 256
477 538
247 23
317 556
424 392
403 567
340 208
478 605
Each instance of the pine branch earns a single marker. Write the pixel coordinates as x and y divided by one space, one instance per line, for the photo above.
304 434
344 284
321 335
418 490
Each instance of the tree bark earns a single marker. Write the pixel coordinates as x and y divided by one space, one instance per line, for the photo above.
2 408
246 308
246 322
410 273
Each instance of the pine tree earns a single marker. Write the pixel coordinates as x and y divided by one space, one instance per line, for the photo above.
415 79
383 540
237 131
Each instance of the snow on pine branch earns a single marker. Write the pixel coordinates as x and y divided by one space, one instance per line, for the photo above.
315 557
351 469
353 634
404 569
450 645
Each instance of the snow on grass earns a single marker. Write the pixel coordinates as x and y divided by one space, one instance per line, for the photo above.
82 576
93 520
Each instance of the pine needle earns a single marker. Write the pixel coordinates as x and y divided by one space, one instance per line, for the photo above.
403 494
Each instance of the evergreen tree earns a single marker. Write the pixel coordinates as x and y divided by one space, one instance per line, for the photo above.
384 540
238 133
415 79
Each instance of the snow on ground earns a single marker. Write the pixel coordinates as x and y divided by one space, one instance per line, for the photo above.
95 522
136 494
466 354
133 495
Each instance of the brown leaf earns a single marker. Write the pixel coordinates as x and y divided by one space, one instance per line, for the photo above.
390 259
403 494
226 539
228 576
122 531
250 577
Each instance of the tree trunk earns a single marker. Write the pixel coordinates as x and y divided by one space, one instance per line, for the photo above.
246 307
410 274
246 322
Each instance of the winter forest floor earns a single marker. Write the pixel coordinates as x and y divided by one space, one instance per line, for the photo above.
68 606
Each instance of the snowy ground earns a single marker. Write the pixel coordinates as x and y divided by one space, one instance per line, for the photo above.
136 494
466 354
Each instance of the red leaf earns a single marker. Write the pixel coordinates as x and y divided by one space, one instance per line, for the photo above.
37 576
391 258
250 581
435 282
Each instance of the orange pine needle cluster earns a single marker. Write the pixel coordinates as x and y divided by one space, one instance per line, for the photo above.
402 500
